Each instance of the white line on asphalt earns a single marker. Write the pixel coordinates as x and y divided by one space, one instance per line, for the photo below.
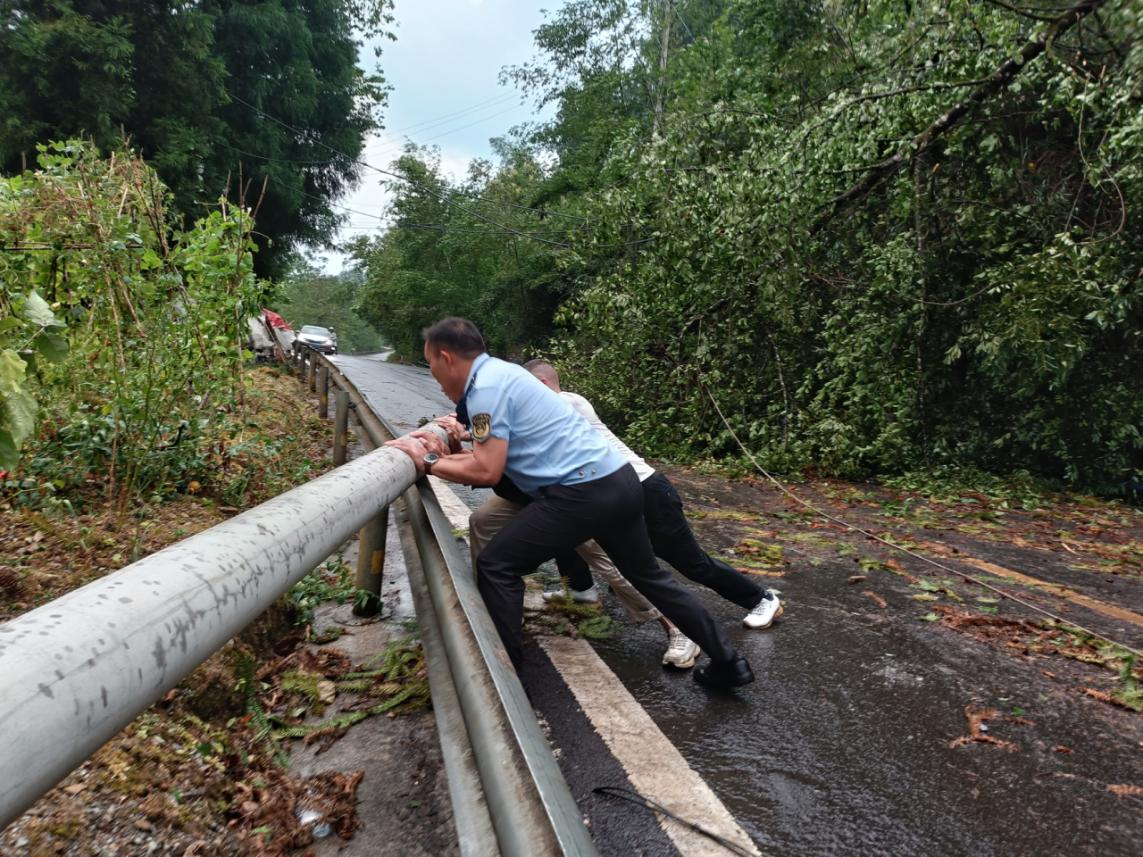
653 765
451 505
655 768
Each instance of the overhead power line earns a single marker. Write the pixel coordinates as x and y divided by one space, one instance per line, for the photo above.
432 191
398 177
395 147
496 100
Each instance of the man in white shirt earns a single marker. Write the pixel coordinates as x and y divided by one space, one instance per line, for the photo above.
671 534
671 538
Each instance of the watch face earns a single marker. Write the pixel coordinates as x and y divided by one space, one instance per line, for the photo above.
431 458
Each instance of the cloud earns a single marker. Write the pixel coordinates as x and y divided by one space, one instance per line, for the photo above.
444 69
366 208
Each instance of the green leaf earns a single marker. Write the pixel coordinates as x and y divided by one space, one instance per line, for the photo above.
12 372
9 453
931 617
17 408
52 346
36 311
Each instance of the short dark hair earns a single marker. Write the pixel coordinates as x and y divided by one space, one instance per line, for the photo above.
458 335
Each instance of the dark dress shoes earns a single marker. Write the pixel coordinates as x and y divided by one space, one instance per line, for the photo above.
724 674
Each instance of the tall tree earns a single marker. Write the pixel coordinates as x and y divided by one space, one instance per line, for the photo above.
255 100
475 248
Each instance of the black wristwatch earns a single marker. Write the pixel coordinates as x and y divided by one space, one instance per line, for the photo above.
429 460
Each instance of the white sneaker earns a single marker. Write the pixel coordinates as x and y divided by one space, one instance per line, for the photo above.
588 596
764 613
681 652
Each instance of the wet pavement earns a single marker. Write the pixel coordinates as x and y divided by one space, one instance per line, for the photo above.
850 740
406 396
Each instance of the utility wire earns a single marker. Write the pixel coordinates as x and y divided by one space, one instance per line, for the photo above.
647 803
955 572
679 15
432 227
439 195
494 101
385 222
399 177
396 147
316 198
387 150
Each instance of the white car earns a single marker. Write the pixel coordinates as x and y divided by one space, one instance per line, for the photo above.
318 338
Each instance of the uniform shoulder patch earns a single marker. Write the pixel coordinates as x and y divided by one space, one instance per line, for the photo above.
481 426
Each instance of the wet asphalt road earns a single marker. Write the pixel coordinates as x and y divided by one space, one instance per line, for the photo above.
842 746
406 396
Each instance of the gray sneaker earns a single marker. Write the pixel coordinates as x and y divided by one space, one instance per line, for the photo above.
681 652
587 596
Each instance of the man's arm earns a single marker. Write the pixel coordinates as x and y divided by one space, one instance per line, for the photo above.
484 465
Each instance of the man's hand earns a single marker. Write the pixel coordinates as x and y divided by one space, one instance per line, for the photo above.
432 442
412 447
455 429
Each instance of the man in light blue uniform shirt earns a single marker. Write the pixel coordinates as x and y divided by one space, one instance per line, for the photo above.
503 402
581 489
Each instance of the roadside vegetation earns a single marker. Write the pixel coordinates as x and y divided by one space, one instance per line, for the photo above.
203 771
123 339
876 238
132 417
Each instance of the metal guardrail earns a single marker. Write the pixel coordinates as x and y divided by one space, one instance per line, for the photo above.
80 668
522 792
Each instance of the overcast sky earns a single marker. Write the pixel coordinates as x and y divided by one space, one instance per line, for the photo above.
443 70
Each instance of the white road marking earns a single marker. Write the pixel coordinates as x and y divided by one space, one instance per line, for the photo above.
655 768
653 765
453 507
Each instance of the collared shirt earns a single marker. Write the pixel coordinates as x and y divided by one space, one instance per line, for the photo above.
548 442
583 407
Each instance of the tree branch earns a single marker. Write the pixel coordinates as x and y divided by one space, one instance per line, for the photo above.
879 173
891 93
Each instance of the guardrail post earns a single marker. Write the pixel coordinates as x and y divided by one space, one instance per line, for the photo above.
371 563
340 426
311 373
323 391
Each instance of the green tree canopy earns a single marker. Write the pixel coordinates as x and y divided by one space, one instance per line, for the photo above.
476 248
260 101
862 238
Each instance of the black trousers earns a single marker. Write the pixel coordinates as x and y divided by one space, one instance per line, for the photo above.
609 510
674 542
